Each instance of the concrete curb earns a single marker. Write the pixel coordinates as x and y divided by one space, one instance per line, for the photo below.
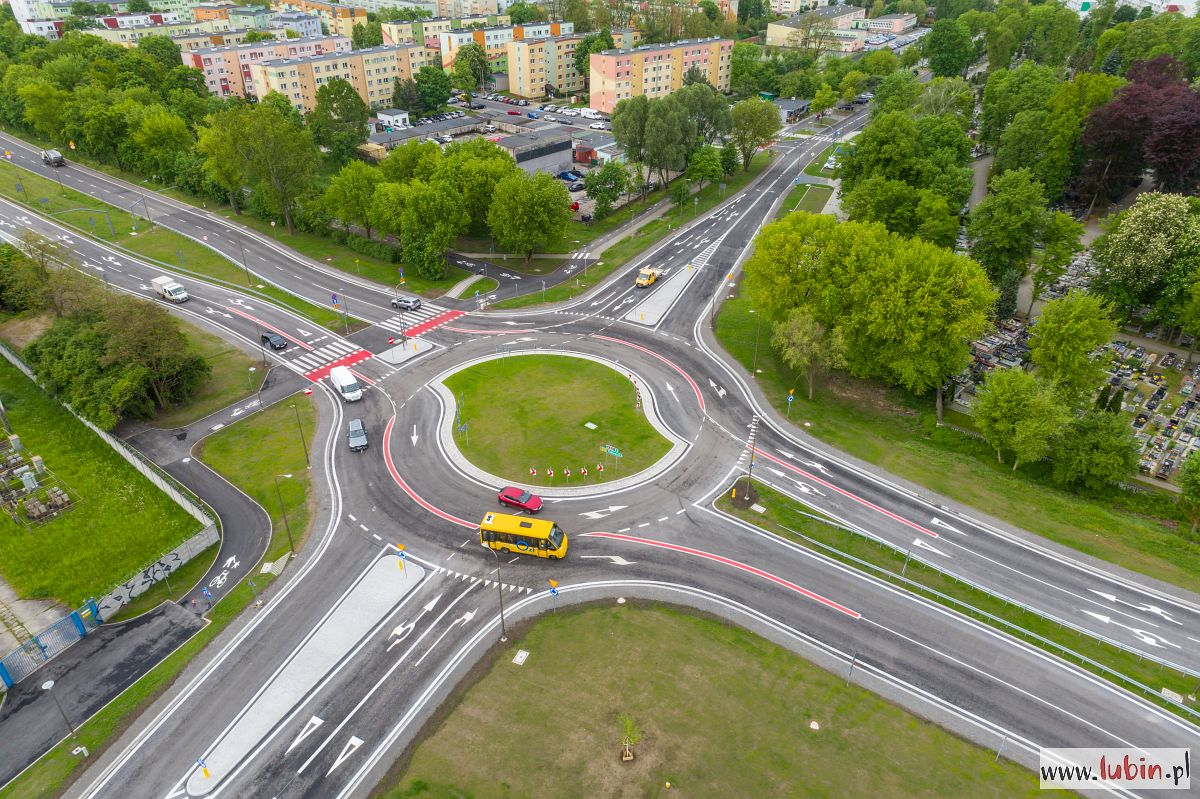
674 456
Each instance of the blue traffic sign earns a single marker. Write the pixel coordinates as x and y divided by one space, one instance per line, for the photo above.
553 592
403 556
334 296
791 398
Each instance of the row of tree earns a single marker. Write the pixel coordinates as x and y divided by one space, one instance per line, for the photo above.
108 355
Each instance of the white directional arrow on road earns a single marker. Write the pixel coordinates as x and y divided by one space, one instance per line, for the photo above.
807 489
600 514
303 332
922 545
402 630
936 522
1157 611
616 559
1141 635
720 391
414 435
673 394
775 471
347 750
309 726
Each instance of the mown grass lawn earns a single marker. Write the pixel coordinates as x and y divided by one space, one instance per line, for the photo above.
252 452
886 427
540 424
808 197
722 712
122 524
228 382
817 167
148 241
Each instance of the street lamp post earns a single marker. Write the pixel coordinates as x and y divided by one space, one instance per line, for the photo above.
300 429
500 592
245 267
48 687
283 512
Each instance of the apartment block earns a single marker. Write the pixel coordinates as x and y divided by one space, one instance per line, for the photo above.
129 37
306 26
544 67
198 41
338 19
116 21
371 72
887 23
656 70
494 40
206 11
820 23
44 17
429 31
227 70
470 8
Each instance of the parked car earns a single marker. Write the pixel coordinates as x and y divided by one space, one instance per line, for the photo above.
274 340
599 126
514 113
575 206
585 217
550 118
356 435
520 498
406 303
533 115
576 186
477 106
522 102
569 175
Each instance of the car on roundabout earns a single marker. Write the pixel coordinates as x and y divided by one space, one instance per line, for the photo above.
520 498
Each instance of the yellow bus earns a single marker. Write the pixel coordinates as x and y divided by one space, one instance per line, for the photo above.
522 534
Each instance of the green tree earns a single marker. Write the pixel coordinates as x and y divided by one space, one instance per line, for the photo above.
629 126
949 48
825 99
1060 241
897 92
729 158
592 43
1068 330
350 194
223 161
434 87
1016 414
253 37
413 159
705 167
1189 484
745 72
1007 222
138 7
755 123
161 49
365 35
431 216
338 121
474 167
606 185
806 346
280 157
471 67
529 211
523 13
670 136
1095 451
160 137
406 96
708 111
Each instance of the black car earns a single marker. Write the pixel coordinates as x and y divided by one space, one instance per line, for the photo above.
274 341
406 303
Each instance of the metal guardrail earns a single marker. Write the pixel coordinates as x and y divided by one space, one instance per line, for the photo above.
50 642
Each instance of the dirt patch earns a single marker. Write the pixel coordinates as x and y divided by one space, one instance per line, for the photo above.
866 394
23 330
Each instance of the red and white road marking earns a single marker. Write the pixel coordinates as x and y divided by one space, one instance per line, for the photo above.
829 603
468 331
435 322
845 493
387 459
321 372
673 365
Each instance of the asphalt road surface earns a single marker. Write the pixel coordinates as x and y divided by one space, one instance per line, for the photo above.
319 692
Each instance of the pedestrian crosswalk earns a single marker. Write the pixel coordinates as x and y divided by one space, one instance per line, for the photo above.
420 321
318 362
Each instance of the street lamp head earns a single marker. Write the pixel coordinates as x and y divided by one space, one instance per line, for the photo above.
47 685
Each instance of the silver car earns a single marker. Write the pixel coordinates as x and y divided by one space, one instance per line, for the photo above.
356 436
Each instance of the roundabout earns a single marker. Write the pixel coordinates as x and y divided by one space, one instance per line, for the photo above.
558 421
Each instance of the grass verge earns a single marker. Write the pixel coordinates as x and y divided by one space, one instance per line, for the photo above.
805 197
148 241
816 168
252 452
181 582
227 384
483 286
546 428
646 236
784 517
122 523
722 713
272 430
896 432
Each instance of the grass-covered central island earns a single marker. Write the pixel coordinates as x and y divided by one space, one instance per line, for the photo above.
551 412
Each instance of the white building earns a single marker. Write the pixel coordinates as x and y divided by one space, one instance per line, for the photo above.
306 26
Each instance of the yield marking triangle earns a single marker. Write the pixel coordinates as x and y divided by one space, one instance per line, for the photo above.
309 727
347 750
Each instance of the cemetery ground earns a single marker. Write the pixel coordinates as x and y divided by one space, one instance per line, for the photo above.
271 434
542 424
721 712
897 432
789 519
121 524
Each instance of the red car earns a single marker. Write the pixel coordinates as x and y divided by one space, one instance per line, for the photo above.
514 113
520 498
575 206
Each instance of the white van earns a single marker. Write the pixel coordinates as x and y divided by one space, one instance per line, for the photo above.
345 384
